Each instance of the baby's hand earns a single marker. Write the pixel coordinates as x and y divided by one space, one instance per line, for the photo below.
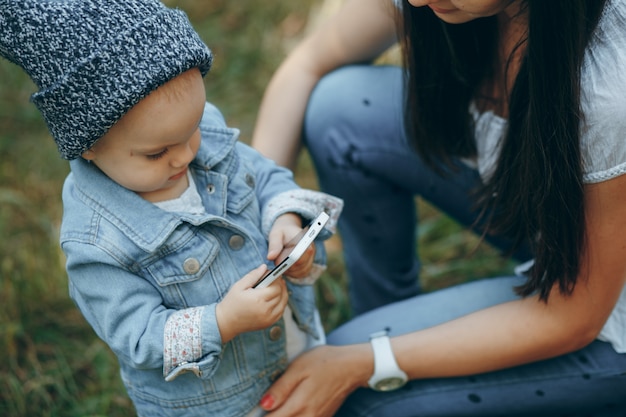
285 228
244 308
302 268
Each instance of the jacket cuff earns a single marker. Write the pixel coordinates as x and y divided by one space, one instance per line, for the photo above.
184 349
306 203
182 339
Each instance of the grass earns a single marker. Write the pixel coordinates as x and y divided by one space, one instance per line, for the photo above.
52 363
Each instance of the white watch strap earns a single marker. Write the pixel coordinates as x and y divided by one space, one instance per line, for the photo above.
384 358
385 366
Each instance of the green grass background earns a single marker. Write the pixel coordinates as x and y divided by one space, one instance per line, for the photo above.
51 363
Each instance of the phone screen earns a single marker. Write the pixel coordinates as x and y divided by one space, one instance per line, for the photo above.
294 249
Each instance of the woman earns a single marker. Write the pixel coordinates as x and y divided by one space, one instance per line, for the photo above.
515 109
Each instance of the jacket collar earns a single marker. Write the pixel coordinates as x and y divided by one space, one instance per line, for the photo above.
143 222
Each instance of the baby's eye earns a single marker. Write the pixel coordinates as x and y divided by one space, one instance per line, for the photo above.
157 155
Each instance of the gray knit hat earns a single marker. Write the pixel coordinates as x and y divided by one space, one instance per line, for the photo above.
93 60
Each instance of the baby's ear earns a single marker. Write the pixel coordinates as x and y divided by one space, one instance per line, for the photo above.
89 155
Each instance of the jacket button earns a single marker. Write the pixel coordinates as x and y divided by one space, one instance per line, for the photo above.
275 333
249 180
191 265
210 188
236 242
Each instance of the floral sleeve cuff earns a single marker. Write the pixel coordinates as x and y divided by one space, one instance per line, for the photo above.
182 340
307 203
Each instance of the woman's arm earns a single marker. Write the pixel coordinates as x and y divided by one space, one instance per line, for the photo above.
502 336
528 330
359 32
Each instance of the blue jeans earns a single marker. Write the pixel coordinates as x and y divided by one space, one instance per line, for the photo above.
589 382
354 133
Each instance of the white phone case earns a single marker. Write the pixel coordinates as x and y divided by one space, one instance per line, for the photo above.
304 238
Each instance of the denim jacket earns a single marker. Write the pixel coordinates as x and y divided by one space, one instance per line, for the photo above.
148 280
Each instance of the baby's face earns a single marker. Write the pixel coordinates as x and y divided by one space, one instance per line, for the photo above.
149 148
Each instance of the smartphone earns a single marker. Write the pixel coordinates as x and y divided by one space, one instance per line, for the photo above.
296 247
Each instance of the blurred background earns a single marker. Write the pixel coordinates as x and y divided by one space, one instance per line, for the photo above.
51 362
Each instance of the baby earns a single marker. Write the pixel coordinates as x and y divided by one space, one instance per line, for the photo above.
168 219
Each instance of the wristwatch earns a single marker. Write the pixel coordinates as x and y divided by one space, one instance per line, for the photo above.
387 374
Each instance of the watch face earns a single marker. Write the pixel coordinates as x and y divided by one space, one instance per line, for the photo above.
389 384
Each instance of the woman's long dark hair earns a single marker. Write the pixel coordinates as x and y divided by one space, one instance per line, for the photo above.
535 194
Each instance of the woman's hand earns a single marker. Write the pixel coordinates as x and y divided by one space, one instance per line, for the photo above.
318 381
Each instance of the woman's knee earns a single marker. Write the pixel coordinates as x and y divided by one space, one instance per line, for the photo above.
331 101
354 109
343 100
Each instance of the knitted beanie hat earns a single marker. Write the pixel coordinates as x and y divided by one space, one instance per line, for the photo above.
93 60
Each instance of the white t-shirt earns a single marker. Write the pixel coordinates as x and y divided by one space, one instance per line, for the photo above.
603 138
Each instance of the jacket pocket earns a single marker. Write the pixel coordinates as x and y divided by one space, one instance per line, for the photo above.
181 270
241 189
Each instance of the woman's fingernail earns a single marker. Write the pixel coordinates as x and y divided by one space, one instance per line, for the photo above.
267 402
